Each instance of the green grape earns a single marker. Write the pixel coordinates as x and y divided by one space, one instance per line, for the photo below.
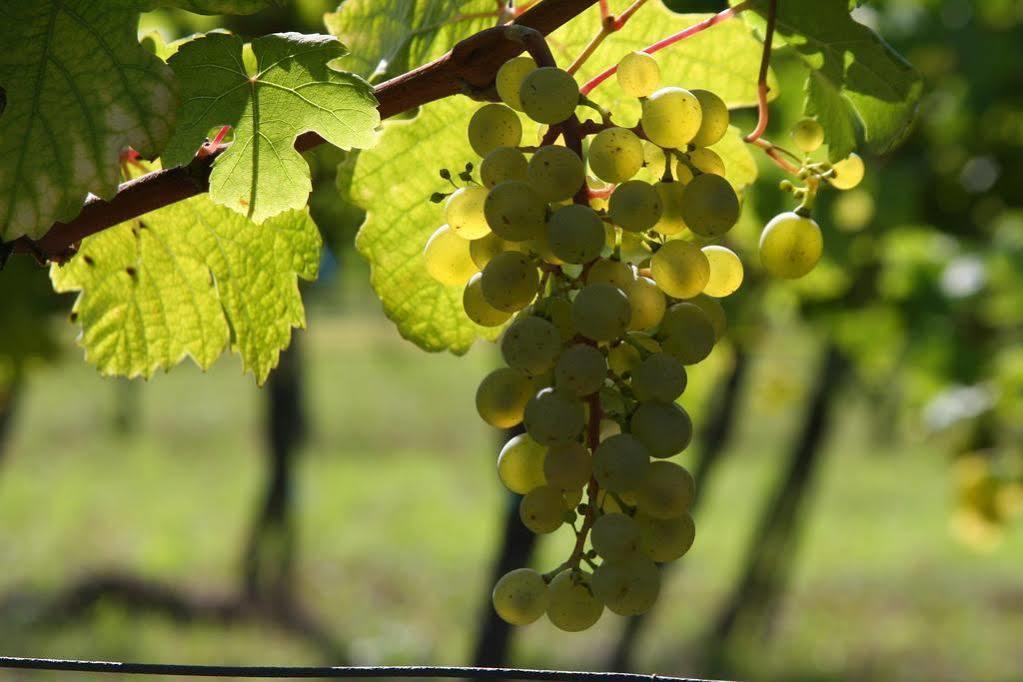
509 80
665 429
628 587
503 163
520 466
608 428
634 247
654 160
615 154
572 498
611 272
510 281
671 222
725 271
688 333
715 313
514 211
575 233
531 344
667 492
447 257
808 135
542 510
659 377
849 172
520 596
541 247
502 396
620 463
464 212
615 537
493 126
567 467
483 250
549 95
572 607
612 402
714 123
666 539
601 312
624 358
647 303
671 117
790 245
476 306
556 172
553 418
710 206
706 161
635 206
580 370
560 310
638 74
680 269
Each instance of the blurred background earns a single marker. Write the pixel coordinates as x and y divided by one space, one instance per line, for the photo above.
860 461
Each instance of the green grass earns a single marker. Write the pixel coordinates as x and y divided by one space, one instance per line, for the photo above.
399 510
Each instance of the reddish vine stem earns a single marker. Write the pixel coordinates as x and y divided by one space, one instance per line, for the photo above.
763 112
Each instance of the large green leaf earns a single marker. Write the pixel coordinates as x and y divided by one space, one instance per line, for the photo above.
79 88
218 6
27 311
740 166
292 91
190 280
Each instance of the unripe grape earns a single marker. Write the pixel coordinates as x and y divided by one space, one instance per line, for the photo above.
560 310
541 246
671 117
635 206
542 510
567 467
714 311
647 303
706 161
477 308
666 539
575 233
520 596
503 163
572 607
671 195
515 211
509 80
520 465
665 429
808 135
492 126
667 492
615 154
554 418
849 172
447 257
510 281
654 160
556 172
612 272
688 334
484 249
628 587
601 312
502 396
464 212
580 370
608 428
549 95
714 123
531 344
615 537
620 463
659 377
725 271
638 74
624 357
680 269
710 206
790 245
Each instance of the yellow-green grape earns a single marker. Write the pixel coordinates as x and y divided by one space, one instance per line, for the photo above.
688 333
666 539
520 466
531 344
671 195
664 428
492 126
509 80
520 596
515 211
464 212
725 271
654 160
849 172
790 245
580 370
647 303
671 117
601 312
714 123
615 154
477 308
634 247
553 418
628 587
638 74
447 257
612 272
808 135
484 249
572 607
620 463
623 358
556 172
667 492
706 161
510 281
549 95
615 536
608 428
541 246
503 163
680 269
659 377
575 233
572 498
635 206
502 396
567 467
710 206
560 310
542 510
714 311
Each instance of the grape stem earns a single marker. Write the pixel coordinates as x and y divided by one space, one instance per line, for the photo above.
608 25
774 152
763 112
593 488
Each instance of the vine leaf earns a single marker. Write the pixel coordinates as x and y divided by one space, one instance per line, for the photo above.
79 89
290 91
218 6
740 166
190 279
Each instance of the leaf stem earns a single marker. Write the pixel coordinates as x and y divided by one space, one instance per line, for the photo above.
763 112
608 25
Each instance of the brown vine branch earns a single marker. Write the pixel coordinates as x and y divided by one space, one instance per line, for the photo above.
763 112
